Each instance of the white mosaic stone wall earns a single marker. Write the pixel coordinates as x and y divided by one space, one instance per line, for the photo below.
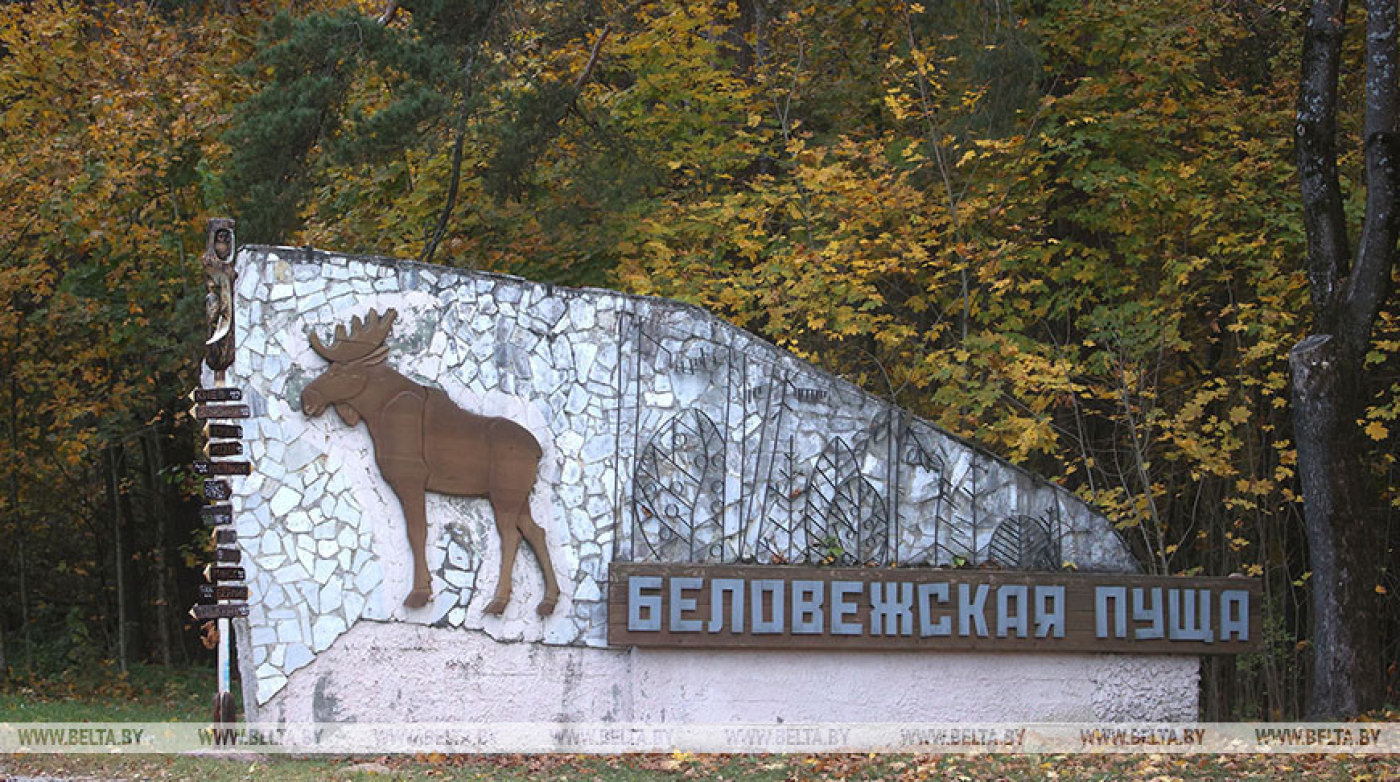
667 435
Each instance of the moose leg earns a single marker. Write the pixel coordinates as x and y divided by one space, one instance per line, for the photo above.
510 545
534 535
416 517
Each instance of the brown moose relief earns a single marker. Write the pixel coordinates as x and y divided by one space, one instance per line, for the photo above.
424 442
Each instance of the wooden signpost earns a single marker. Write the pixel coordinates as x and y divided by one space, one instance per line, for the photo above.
223 448
219 611
215 405
222 468
229 600
223 431
206 412
213 515
223 573
219 394
222 592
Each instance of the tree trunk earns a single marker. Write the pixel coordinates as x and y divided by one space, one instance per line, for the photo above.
118 555
24 604
18 520
1343 511
1341 527
155 510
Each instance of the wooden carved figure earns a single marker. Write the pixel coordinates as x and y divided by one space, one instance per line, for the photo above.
424 442
219 276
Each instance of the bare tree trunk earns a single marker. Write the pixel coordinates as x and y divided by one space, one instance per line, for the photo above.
20 532
1340 521
4 663
454 179
155 510
1342 506
118 555
386 15
24 603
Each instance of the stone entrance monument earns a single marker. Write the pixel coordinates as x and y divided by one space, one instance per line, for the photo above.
716 530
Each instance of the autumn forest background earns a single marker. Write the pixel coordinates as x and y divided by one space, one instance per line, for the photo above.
1069 230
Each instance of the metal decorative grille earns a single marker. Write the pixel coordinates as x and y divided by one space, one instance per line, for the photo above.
1025 543
679 492
781 537
738 456
845 519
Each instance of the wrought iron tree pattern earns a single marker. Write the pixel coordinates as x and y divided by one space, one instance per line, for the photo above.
678 496
920 474
927 503
781 537
845 519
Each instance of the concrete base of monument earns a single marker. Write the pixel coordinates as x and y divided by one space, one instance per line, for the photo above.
392 672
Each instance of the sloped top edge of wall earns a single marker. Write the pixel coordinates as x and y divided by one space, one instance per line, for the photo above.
308 255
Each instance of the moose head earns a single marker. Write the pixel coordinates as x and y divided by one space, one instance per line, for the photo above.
424 442
355 357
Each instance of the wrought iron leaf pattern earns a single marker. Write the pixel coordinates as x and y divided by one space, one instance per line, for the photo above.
1024 543
678 499
845 518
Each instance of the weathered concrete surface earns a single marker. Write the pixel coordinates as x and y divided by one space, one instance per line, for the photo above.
389 672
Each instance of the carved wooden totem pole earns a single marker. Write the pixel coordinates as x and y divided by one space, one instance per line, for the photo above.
424 442
225 598
219 274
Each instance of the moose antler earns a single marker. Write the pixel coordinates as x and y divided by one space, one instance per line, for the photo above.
365 337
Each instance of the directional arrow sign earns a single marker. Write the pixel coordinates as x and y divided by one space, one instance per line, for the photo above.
222 468
217 490
225 448
215 573
214 515
222 611
225 536
203 412
216 395
226 431
228 555
221 592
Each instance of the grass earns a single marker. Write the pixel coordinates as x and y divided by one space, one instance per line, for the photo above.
146 693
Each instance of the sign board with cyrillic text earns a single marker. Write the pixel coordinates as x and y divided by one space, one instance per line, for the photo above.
752 606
